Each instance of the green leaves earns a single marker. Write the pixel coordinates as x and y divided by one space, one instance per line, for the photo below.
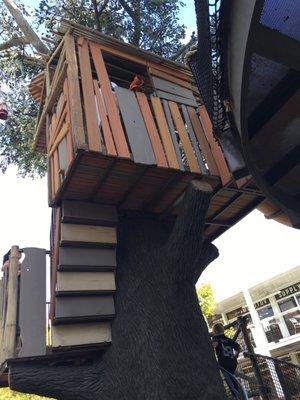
17 132
206 299
151 25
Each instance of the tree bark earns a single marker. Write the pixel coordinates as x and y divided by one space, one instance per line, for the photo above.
161 347
13 42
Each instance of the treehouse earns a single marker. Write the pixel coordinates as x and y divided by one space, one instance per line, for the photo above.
125 132
135 150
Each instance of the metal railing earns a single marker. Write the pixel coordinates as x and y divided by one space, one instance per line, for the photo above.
261 377
281 380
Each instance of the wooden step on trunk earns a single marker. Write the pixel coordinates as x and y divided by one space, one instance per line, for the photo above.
88 236
80 259
85 334
85 282
85 276
78 212
84 308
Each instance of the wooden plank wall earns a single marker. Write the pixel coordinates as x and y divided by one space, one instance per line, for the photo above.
59 141
162 129
151 130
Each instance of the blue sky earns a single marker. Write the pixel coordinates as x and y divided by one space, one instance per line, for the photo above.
252 251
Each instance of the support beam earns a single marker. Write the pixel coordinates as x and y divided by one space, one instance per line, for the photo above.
286 164
276 99
277 47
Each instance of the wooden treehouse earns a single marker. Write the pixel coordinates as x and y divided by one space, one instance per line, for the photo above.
115 149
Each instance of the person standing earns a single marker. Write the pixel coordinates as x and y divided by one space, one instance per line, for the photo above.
227 351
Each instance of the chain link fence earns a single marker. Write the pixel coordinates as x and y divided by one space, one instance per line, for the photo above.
261 377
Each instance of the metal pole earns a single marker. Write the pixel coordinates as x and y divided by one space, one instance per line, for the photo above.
243 325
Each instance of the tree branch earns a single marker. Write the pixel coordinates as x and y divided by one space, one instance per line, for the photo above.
13 42
187 234
25 27
68 382
182 49
209 253
136 37
103 7
68 11
127 8
96 13
33 60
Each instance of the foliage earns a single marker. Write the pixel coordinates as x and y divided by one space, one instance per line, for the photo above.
206 299
152 25
7 394
230 332
16 134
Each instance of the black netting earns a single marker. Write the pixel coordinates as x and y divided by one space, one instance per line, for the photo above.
208 64
282 15
265 76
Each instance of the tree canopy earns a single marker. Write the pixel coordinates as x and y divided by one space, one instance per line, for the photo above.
151 25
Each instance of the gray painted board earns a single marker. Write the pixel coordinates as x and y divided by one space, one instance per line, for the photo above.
32 319
63 155
76 307
72 282
89 213
173 134
136 130
88 235
81 334
74 258
177 99
173 88
232 152
192 136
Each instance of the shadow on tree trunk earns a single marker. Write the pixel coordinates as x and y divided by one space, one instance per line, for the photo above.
160 349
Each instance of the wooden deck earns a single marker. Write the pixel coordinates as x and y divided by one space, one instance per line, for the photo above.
136 188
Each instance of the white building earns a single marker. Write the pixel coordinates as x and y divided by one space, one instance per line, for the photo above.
273 307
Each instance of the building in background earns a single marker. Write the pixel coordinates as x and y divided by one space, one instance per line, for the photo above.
273 308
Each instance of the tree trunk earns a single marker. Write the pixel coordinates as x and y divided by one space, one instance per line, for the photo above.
161 349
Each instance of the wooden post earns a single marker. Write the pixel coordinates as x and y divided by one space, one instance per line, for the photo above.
74 95
10 328
2 317
256 370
